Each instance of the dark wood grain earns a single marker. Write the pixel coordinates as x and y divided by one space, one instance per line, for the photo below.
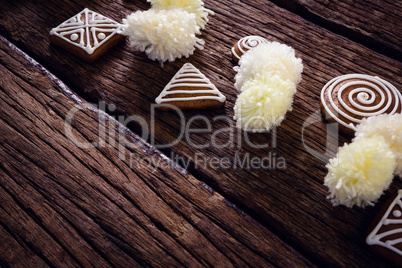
62 205
373 23
290 201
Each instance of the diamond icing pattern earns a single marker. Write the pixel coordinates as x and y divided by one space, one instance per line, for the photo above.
87 30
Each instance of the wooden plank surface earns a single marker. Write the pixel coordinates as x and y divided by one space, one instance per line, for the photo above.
289 201
65 206
375 23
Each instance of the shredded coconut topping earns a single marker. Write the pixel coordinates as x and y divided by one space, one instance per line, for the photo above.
264 102
163 35
274 58
191 6
267 78
360 172
387 126
168 30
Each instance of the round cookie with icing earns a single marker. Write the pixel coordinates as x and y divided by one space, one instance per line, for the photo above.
347 99
245 44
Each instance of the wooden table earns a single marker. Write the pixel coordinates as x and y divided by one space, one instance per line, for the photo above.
123 199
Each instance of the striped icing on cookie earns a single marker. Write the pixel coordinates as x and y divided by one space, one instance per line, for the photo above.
247 43
199 87
87 30
350 98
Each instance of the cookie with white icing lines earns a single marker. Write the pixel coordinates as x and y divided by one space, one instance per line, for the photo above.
88 35
190 89
245 44
348 99
385 232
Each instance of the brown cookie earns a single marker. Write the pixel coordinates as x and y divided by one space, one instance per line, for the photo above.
88 35
245 44
190 89
348 99
385 232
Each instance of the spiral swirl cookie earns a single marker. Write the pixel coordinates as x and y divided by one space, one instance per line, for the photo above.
245 44
348 99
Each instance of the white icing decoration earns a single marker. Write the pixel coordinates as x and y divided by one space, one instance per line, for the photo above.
247 43
101 36
368 86
74 37
184 78
374 238
397 213
93 25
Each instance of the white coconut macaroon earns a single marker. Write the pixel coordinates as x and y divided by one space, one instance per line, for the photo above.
387 126
164 35
360 172
263 102
272 58
191 6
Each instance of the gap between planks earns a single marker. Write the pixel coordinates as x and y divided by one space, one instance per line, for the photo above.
58 82
296 7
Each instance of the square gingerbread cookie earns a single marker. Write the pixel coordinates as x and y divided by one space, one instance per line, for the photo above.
88 35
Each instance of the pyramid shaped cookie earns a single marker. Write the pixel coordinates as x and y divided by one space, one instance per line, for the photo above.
386 231
190 89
